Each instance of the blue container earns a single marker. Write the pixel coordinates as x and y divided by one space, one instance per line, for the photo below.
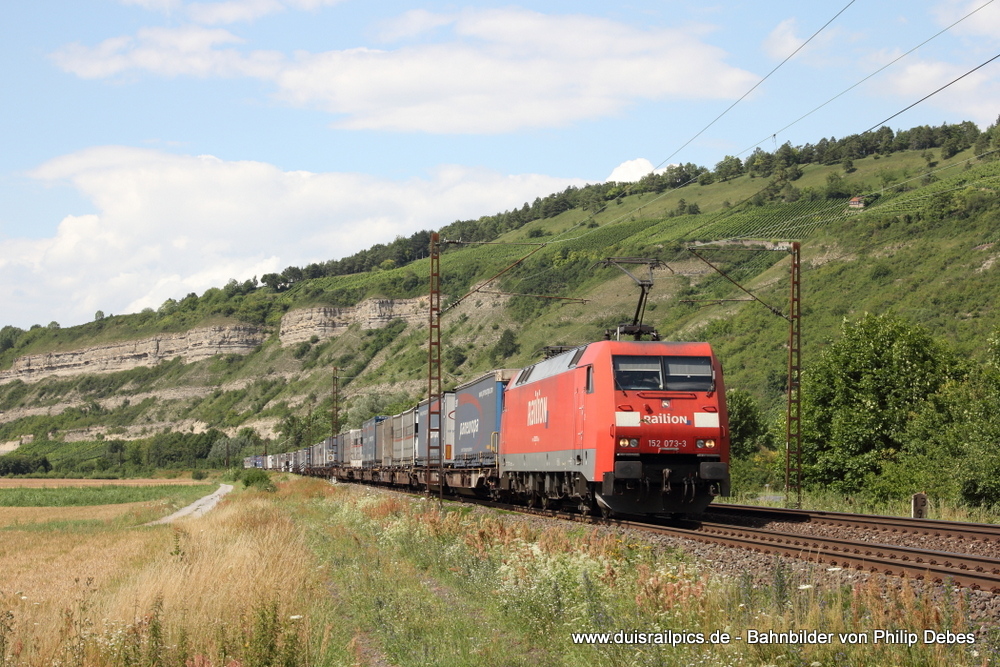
479 404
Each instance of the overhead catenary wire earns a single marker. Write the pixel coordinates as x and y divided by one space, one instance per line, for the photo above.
873 74
758 84
932 94
745 95
773 135
805 225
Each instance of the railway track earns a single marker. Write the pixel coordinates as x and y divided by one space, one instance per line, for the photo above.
974 572
979 573
929 565
955 530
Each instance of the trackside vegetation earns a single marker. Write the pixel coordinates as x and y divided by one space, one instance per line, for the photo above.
318 574
419 581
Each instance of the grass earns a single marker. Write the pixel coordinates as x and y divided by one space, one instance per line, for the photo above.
101 495
335 575
421 582
236 587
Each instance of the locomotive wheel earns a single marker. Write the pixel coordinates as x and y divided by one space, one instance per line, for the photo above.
549 503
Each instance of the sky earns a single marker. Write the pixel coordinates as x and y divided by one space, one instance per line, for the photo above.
154 148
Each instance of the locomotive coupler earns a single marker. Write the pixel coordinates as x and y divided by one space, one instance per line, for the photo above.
666 480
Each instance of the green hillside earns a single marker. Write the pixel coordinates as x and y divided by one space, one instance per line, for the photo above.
922 249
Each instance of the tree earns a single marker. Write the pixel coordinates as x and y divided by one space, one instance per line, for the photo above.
747 429
272 280
98 316
506 347
728 167
858 397
9 336
836 187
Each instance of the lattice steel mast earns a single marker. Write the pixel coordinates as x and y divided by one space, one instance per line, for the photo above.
434 387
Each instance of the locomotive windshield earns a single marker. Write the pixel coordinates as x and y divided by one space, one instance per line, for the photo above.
639 373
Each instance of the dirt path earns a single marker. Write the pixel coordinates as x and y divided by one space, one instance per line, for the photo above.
198 507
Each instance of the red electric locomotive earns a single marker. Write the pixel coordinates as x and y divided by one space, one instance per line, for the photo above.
630 427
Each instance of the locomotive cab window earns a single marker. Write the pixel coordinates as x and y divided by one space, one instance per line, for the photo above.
642 373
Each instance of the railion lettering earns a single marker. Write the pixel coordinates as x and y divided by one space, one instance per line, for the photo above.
538 410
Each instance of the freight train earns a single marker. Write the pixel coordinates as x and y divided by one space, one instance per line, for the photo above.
611 427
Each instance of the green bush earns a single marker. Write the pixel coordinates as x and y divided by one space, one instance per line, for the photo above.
258 479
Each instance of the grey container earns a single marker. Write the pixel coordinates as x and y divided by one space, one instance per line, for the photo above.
383 443
369 442
447 428
354 437
404 439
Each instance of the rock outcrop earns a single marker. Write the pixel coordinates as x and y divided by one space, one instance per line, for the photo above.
193 345
327 322
204 342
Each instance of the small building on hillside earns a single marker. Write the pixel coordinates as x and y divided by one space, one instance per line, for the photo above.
856 202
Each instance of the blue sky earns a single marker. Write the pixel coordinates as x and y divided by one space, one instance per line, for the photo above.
159 147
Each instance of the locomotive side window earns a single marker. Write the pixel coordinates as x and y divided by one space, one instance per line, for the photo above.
640 373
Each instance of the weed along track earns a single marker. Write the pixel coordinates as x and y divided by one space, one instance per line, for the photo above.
569 593
934 565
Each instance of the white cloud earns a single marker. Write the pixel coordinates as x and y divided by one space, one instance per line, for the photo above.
496 70
976 97
166 225
782 41
213 13
985 22
631 171
191 51
229 11
155 5
412 23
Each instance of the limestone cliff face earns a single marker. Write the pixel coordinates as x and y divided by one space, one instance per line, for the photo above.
327 322
204 342
194 345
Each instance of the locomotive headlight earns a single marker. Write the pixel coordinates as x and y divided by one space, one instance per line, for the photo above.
634 442
700 444
623 442
710 443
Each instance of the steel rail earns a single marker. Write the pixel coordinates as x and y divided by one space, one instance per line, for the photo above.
974 572
938 567
960 530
